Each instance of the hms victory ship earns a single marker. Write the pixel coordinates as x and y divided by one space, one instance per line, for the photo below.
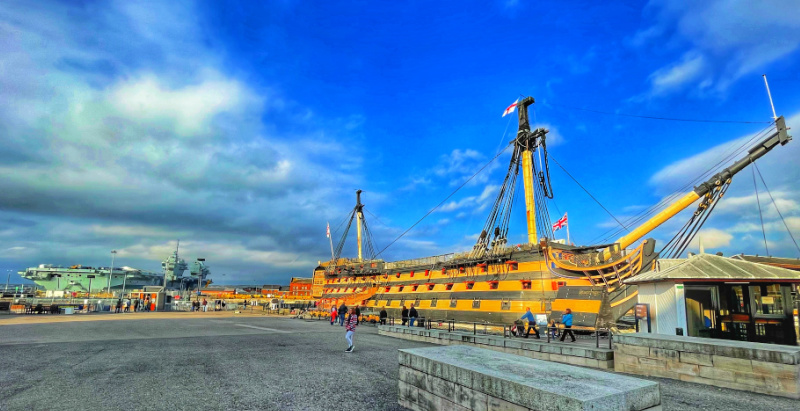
495 282
81 278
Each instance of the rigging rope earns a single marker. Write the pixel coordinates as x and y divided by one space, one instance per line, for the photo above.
443 201
760 216
658 118
776 207
727 156
590 194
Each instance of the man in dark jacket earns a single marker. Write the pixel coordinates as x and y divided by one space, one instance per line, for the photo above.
404 314
412 316
383 316
358 314
342 313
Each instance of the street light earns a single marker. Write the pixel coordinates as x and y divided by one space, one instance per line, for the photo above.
124 277
113 254
199 276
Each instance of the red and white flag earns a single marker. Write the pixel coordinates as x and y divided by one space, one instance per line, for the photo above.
560 223
510 109
328 231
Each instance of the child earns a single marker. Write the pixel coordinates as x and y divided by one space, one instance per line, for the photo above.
334 314
352 322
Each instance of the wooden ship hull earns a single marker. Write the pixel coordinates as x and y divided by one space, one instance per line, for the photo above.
495 283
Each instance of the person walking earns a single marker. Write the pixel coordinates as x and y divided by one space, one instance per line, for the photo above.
566 318
383 316
412 316
404 314
334 314
358 314
119 306
205 305
531 323
136 305
350 330
342 313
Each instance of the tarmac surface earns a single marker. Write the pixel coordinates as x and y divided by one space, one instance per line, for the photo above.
190 361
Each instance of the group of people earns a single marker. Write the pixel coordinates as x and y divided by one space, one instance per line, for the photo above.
338 314
126 305
566 319
350 323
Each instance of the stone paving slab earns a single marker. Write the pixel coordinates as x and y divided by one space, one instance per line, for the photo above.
530 383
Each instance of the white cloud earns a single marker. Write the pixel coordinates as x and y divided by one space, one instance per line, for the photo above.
724 40
711 238
191 107
670 78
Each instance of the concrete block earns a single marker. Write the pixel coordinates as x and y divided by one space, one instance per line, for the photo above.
441 388
471 399
481 340
497 342
575 351
511 343
717 374
496 404
408 393
633 350
777 370
626 359
735 364
663 353
429 401
529 383
695 358
683 368
414 378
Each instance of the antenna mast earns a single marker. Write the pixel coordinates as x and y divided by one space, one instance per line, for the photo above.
774 115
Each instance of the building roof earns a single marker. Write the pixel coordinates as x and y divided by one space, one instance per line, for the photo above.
302 280
712 267
790 263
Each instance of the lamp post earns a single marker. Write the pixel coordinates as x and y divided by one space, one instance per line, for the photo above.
113 254
199 275
124 277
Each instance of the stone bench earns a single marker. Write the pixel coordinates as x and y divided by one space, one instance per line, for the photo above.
566 353
469 378
741 365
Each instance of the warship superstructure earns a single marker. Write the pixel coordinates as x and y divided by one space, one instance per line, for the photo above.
81 278
495 282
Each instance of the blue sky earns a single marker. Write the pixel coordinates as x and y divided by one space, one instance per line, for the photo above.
242 128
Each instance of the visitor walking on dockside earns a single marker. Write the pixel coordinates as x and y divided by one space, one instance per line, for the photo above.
136 305
350 330
412 316
334 314
342 313
119 306
404 314
358 315
531 323
383 316
566 318
205 305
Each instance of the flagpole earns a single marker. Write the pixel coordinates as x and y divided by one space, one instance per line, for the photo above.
565 215
330 240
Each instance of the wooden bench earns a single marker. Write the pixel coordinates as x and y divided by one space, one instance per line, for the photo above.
460 377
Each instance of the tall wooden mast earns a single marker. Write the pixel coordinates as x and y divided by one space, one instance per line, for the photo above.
526 140
359 219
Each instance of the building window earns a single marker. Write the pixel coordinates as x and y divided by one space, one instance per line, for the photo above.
476 303
526 285
512 265
448 286
493 285
430 287
434 301
470 284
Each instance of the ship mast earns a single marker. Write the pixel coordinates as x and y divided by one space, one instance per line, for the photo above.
359 218
527 143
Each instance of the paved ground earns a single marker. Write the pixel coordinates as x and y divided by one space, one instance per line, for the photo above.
195 361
